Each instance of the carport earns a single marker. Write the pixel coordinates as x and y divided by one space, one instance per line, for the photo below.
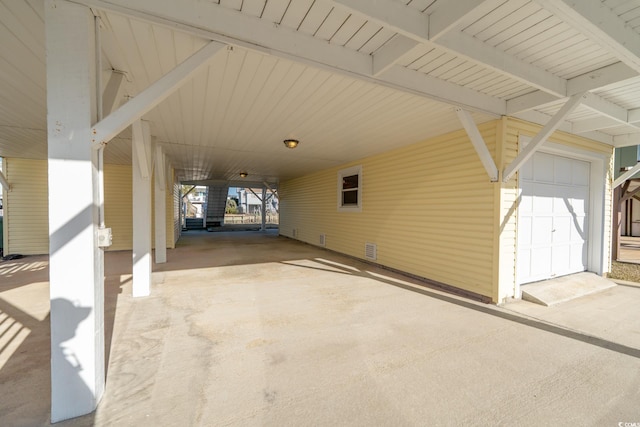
254 328
380 95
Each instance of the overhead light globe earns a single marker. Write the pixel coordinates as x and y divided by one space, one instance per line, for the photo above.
291 143
243 174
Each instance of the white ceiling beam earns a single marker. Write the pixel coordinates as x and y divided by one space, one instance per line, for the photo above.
4 182
503 63
440 90
452 15
600 78
606 108
392 14
146 100
459 44
597 22
212 21
478 143
389 54
625 176
633 116
588 125
542 119
530 101
113 92
141 141
541 137
626 140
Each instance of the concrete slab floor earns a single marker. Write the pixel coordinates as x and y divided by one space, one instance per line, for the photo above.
256 329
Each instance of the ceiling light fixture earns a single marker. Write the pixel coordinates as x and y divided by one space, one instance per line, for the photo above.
291 143
243 174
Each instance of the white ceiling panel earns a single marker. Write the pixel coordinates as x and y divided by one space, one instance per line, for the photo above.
305 69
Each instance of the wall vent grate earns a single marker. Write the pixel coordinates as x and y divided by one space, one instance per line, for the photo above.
371 251
323 240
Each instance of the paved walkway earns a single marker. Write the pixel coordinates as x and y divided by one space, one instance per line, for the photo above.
256 329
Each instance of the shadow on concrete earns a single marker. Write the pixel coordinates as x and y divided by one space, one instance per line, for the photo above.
420 288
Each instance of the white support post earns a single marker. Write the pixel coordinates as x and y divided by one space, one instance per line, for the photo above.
141 210
542 136
160 207
478 143
264 209
4 182
76 263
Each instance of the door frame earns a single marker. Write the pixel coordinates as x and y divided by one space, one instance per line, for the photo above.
597 256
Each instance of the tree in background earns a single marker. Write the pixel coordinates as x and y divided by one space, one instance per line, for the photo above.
232 206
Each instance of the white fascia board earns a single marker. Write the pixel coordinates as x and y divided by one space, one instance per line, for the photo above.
391 14
212 21
146 100
542 136
392 51
597 22
4 182
478 143
452 15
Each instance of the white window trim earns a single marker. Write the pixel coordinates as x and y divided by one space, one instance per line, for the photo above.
355 170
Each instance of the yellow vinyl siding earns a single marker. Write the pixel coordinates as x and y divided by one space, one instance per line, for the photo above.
26 207
118 205
26 221
428 207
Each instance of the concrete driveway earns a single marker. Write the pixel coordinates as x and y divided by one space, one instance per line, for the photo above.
256 329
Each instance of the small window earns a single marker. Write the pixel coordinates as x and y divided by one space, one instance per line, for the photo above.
350 189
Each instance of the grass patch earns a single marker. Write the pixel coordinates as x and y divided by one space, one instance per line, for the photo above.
625 271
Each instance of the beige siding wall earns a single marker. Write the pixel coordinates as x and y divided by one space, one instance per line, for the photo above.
26 207
26 222
429 208
513 129
118 205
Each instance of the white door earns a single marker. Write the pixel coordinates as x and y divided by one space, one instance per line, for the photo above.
552 217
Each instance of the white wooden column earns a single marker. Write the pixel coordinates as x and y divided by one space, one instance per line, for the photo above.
76 264
141 171
160 207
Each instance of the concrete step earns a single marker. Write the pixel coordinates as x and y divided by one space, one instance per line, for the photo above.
565 288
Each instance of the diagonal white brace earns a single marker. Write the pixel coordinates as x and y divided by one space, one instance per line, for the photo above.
542 136
625 176
478 143
4 182
146 100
